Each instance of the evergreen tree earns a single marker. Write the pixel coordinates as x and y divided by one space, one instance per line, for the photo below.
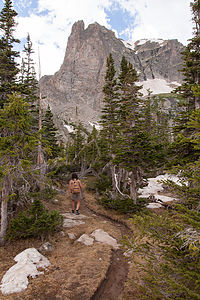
8 65
17 145
75 149
92 148
50 135
28 75
109 115
191 69
183 150
28 82
132 139
109 111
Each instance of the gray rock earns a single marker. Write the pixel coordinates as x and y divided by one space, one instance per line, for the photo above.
68 223
46 247
103 237
72 236
86 240
71 220
74 216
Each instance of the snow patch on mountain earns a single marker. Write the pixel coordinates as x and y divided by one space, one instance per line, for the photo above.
157 86
128 45
96 125
69 128
143 41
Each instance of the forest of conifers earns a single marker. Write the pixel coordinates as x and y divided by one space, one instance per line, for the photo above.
137 140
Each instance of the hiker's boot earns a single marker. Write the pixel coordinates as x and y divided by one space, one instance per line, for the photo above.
72 211
77 212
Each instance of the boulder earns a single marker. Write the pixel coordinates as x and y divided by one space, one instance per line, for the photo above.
86 240
103 237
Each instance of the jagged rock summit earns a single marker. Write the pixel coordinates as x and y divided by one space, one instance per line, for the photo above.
75 91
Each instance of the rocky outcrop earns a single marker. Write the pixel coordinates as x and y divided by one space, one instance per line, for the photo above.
159 59
75 91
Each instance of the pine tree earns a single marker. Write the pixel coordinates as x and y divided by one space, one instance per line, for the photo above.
8 65
109 116
139 148
28 84
182 149
131 138
191 67
17 145
28 74
109 111
92 148
185 149
50 135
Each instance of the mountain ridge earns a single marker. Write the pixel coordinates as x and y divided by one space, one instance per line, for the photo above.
74 92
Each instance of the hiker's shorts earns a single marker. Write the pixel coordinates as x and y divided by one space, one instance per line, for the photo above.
76 196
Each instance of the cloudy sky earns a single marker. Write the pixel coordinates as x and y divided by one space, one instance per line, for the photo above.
49 22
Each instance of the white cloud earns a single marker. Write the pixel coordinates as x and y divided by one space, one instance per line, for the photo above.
160 19
50 25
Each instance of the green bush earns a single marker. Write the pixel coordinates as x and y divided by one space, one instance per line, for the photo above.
47 194
103 183
124 205
176 275
36 221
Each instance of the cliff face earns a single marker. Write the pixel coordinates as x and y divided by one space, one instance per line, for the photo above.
75 91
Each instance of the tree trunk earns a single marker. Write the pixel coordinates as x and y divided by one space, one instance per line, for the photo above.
4 209
139 176
133 191
120 177
40 158
125 180
112 169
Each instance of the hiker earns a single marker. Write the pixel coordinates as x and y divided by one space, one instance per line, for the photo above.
76 192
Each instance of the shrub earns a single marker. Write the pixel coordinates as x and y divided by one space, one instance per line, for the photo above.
176 274
36 221
124 205
103 183
46 194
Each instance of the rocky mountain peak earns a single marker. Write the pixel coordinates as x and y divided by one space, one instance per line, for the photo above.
75 91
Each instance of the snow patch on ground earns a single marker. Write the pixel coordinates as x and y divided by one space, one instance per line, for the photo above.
16 278
157 86
154 187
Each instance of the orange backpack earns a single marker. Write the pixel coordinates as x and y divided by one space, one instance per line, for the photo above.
75 187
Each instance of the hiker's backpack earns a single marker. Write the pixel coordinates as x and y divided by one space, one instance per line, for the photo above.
75 187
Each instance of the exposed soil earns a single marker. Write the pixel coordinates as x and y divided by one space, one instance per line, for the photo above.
113 283
77 272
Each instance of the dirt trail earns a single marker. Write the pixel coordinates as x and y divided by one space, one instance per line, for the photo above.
77 271
113 283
